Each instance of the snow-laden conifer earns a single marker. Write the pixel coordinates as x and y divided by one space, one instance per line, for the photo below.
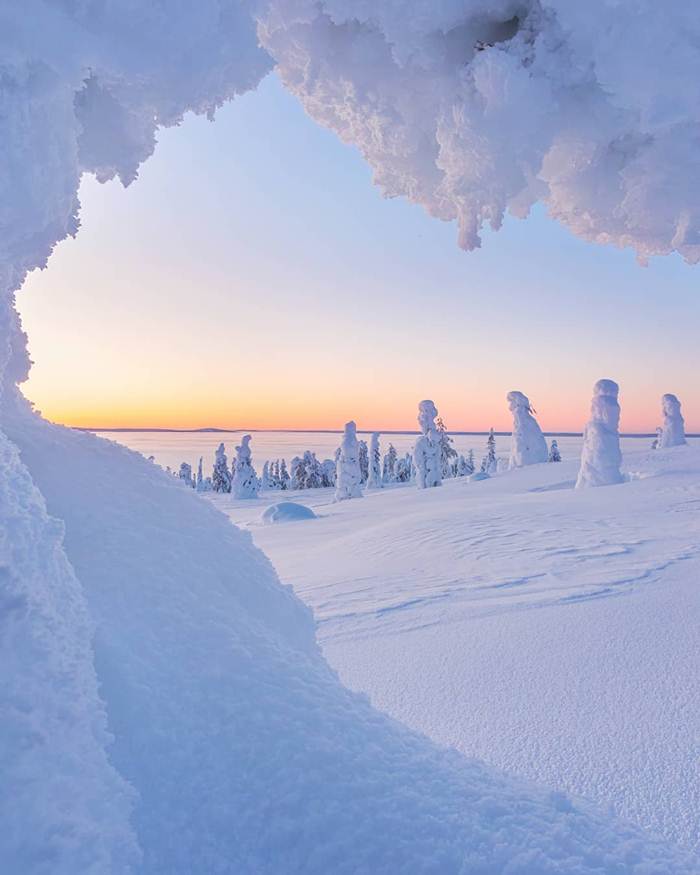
673 431
348 475
527 443
375 463
554 454
389 465
601 457
426 455
221 476
245 480
489 464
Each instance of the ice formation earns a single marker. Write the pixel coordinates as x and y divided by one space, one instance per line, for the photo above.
527 443
476 108
348 474
245 481
426 455
601 457
673 431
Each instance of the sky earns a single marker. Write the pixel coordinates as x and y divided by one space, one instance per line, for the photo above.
254 277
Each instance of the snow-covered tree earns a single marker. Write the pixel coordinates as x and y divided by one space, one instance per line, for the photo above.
601 457
297 470
448 454
185 474
283 476
328 472
554 454
348 474
489 464
673 431
313 476
363 456
657 440
221 476
266 479
389 466
426 455
245 480
375 464
404 469
527 443
199 484
471 463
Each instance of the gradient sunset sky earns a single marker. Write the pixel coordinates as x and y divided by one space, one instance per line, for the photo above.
254 277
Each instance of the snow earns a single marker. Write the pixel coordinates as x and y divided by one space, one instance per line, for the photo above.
348 474
673 431
426 454
551 632
287 512
243 750
601 456
527 443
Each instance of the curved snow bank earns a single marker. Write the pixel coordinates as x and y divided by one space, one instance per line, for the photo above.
287 512
63 807
247 753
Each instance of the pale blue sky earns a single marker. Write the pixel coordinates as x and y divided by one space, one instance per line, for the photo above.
254 276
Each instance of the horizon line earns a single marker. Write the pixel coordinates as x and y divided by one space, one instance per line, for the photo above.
216 430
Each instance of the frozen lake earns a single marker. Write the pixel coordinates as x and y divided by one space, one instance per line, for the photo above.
172 448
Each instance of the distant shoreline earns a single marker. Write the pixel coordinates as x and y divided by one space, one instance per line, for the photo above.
642 434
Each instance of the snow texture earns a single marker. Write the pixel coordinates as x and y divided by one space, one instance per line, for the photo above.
601 456
551 633
673 430
348 474
527 443
246 752
287 512
245 481
426 455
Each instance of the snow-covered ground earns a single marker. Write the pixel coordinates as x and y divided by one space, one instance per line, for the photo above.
552 633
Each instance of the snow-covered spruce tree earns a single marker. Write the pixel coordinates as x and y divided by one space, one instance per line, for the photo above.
471 462
221 476
554 454
284 476
297 470
363 456
657 440
328 473
313 478
199 484
489 464
185 474
375 463
389 466
426 455
245 480
461 466
348 475
265 482
527 443
673 431
601 457
448 454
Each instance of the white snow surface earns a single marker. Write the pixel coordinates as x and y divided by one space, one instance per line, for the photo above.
552 632
244 752
527 443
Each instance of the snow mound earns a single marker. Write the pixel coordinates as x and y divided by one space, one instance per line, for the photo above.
287 512
478 475
246 752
